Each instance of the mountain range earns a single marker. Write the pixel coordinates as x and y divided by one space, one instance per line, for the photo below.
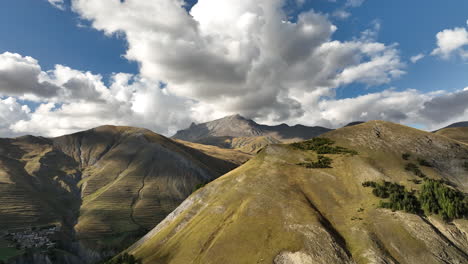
237 132
234 191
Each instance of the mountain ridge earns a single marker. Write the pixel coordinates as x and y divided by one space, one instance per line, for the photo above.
105 185
226 132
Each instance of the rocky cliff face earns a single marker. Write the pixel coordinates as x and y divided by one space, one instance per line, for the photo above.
275 210
106 186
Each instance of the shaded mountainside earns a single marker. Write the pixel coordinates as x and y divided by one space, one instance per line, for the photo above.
238 132
277 209
459 124
107 185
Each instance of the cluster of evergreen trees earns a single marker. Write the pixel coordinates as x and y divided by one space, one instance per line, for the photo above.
415 169
398 197
322 146
322 162
435 197
438 198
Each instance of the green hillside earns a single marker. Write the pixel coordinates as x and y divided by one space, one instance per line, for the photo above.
275 209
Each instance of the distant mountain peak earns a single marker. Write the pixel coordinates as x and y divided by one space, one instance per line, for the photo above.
234 117
235 126
457 124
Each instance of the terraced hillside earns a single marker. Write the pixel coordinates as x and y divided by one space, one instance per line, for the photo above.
107 185
237 132
312 203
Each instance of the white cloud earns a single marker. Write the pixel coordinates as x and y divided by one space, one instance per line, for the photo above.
130 100
10 112
354 3
240 56
223 57
434 110
450 41
341 14
386 105
71 100
417 57
22 75
60 4
84 101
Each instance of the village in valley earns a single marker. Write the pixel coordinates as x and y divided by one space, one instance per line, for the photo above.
32 238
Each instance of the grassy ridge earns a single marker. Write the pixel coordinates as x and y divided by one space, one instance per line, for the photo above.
271 210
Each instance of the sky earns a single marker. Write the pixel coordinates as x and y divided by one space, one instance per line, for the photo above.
71 65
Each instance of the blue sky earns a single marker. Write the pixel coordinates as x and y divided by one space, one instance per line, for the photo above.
35 28
68 38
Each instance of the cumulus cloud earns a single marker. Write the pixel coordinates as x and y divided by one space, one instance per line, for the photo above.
10 112
452 41
130 100
417 57
433 110
60 4
391 105
70 100
221 57
83 101
22 75
241 56
443 108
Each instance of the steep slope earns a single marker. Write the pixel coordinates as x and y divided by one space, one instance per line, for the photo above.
238 132
456 133
275 210
37 183
107 186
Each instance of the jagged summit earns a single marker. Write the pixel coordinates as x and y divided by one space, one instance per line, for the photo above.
237 126
233 126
